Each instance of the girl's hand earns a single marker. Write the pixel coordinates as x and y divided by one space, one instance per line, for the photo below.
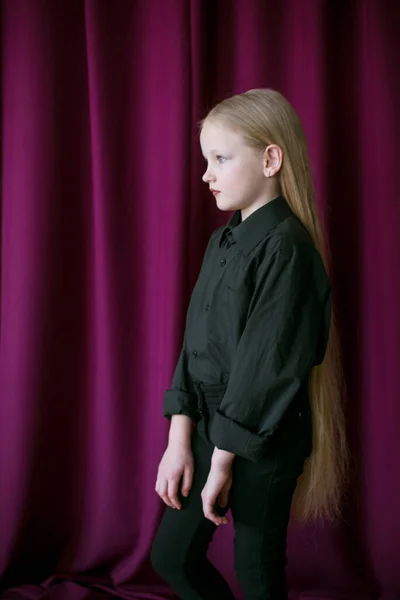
217 487
177 461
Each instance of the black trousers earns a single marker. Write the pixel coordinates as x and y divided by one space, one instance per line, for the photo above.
259 500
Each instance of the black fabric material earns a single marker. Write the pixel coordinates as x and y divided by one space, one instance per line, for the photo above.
259 501
258 321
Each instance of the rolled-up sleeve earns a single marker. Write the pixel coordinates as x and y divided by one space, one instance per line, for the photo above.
277 349
179 400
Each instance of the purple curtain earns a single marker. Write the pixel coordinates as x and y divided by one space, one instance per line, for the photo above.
104 221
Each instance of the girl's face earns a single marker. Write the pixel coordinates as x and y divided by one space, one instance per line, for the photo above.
234 170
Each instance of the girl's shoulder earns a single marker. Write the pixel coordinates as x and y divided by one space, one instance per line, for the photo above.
290 242
290 237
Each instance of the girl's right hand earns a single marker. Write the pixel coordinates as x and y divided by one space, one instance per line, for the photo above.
177 461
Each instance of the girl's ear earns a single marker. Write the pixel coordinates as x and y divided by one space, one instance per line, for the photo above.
272 160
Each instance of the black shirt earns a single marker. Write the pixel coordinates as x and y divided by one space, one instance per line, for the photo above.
258 320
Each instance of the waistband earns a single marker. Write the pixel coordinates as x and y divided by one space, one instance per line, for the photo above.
208 395
211 396
212 390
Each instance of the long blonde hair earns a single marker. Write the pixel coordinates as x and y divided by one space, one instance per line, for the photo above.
263 117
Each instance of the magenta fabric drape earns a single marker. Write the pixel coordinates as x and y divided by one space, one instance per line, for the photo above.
104 221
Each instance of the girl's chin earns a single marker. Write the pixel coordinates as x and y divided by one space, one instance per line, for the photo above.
224 202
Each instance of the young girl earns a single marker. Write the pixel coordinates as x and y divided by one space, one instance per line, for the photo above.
259 371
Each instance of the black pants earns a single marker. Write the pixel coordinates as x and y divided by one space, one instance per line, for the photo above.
259 500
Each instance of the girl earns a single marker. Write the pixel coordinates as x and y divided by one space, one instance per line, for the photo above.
259 372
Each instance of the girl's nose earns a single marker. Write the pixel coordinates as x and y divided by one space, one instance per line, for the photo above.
207 176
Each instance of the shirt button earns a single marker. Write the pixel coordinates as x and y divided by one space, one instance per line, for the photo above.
207 306
222 262
194 353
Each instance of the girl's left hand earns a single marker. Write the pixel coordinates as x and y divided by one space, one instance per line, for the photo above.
217 487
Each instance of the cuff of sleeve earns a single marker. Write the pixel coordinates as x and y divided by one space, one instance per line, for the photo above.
228 435
178 402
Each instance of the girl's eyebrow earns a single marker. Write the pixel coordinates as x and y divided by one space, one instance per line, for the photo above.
211 151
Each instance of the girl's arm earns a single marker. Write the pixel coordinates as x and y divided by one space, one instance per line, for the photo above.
222 458
180 431
179 400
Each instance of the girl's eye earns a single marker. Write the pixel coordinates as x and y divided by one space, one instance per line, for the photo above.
220 159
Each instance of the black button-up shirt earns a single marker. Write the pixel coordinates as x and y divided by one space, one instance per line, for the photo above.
258 320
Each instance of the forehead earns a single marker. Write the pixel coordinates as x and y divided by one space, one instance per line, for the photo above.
215 135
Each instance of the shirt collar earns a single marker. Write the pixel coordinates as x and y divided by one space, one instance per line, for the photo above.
248 233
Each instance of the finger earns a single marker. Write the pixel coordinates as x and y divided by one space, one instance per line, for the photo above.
209 513
221 512
173 492
157 487
162 492
208 508
214 518
187 481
